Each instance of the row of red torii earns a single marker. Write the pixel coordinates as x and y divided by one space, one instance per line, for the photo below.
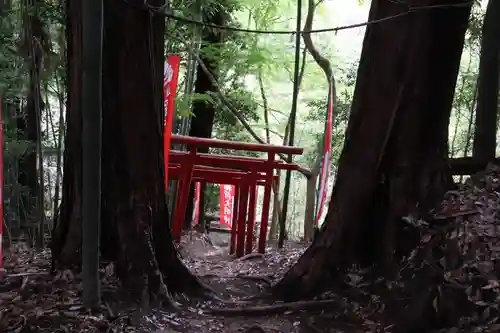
245 173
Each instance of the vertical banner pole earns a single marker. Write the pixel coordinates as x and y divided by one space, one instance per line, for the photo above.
170 77
326 163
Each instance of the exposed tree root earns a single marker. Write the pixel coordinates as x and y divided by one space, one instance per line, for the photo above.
251 256
261 278
266 310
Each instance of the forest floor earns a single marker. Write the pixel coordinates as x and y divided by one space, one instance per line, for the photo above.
449 280
32 300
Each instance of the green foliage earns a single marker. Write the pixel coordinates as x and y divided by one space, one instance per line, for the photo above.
212 197
183 102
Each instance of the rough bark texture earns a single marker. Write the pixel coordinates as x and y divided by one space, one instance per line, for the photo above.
204 113
485 134
394 157
135 230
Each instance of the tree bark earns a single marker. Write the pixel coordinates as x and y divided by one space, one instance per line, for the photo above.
203 117
485 134
310 200
394 158
135 231
468 165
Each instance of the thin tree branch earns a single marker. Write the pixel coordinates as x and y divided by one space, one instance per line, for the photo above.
264 103
327 69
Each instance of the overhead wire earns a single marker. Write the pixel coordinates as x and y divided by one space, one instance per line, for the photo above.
162 10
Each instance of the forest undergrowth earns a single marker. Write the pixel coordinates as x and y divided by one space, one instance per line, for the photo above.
451 278
448 283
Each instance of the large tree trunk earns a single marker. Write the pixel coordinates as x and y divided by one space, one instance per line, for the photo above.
135 230
394 157
202 121
485 134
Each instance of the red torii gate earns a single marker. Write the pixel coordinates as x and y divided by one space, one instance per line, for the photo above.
229 176
244 172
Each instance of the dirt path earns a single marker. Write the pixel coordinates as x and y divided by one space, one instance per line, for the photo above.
238 280
31 300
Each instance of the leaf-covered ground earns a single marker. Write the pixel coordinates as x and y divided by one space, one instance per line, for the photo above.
451 278
448 283
32 300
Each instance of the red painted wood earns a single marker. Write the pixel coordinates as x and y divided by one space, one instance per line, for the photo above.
252 202
182 154
244 172
232 246
185 177
191 141
242 212
256 164
217 176
265 208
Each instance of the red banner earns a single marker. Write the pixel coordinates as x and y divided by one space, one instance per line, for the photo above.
325 164
170 76
226 204
196 203
1 190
